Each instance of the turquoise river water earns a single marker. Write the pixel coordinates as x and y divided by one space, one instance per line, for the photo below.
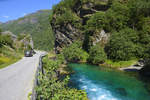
107 84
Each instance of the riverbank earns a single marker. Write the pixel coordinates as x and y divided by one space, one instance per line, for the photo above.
53 85
131 68
120 64
106 83
131 65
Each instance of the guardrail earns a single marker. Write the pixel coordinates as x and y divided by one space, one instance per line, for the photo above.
36 81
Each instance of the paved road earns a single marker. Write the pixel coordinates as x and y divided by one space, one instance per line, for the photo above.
16 80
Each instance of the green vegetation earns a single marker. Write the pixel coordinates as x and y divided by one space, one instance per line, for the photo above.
54 88
37 25
127 22
5 61
0 30
12 48
21 36
75 53
6 40
119 64
10 52
97 55
67 15
123 45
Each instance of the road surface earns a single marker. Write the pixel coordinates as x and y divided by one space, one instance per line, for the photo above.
16 81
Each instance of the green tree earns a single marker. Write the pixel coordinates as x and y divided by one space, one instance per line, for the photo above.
96 55
123 45
6 40
75 53
118 16
138 9
97 21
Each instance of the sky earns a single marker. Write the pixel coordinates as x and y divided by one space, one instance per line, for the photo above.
13 9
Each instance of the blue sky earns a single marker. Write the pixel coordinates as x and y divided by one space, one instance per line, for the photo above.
13 9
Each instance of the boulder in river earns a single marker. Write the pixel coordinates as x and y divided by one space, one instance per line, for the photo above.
121 91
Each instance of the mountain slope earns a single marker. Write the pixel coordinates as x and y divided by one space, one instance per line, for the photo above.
37 25
120 27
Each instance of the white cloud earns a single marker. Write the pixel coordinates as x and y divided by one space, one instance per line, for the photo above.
5 16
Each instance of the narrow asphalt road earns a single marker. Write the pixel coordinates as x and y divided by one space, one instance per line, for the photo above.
17 80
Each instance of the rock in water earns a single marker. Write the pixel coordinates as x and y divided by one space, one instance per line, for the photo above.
121 91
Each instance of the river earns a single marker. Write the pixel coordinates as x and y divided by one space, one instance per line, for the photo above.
107 84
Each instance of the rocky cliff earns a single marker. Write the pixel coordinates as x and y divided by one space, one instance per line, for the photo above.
13 36
70 20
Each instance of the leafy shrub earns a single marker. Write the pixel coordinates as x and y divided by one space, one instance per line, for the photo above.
144 33
96 55
138 10
116 21
52 88
21 36
65 4
6 40
49 65
67 16
97 21
60 58
75 52
122 45
121 50
96 2
117 16
146 53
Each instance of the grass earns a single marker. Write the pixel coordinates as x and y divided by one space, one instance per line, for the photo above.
120 64
29 95
9 56
5 61
51 54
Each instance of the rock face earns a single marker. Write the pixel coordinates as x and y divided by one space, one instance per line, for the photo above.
28 20
67 33
102 37
13 36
